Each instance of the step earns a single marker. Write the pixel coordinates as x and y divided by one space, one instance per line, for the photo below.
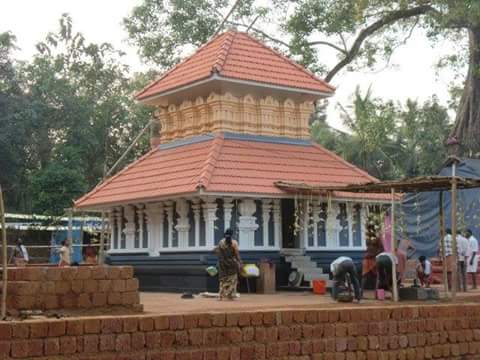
313 272
292 252
310 277
297 258
303 264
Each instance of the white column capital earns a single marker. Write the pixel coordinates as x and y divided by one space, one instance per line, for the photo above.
210 215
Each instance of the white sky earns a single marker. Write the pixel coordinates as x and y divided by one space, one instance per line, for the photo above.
100 21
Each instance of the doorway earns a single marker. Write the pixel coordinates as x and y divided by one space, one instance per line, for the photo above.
290 241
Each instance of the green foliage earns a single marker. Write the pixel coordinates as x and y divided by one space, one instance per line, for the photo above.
390 140
77 118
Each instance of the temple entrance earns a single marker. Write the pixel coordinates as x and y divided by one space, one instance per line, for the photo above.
288 220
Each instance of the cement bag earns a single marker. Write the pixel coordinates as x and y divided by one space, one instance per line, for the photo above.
250 270
212 271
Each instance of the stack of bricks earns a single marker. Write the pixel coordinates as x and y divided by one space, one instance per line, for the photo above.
82 287
364 333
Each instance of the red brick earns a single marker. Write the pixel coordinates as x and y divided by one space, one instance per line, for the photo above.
130 298
90 286
248 334
126 272
269 318
53 274
394 342
34 274
175 322
107 342
99 299
333 316
284 333
131 285
161 323
146 324
69 273
299 317
5 331
342 330
56 328
92 326
373 343
114 298
74 327
118 285
48 287
20 348
77 286
51 302
35 347
38 330
232 319
287 317
91 343
68 301
235 335
68 345
20 331
205 321
130 324
362 343
83 273
62 287
112 325
123 343
84 301
113 272
98 272
260 334
272 334
247 352
341 344
307 347
294 348
296 332
181 338
104 285
138 341
271 351
167 338
5 347
260 352
190 321
195 337
244 319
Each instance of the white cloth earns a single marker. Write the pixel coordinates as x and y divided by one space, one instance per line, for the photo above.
472 268
336 262
462 247
427 270
390 255
24 252
472 246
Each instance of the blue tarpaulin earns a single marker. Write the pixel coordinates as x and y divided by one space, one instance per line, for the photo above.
61 235
420 219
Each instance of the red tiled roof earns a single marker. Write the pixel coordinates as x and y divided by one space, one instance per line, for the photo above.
225 164
239 56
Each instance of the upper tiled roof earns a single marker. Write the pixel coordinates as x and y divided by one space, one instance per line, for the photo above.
226 163
239 56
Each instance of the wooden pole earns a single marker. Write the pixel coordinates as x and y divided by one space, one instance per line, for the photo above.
102 241
454 236
4 257
70 230
442 243
394 265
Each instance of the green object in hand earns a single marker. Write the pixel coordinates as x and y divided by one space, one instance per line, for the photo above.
212 271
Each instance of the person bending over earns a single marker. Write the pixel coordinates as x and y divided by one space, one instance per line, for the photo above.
339 269
424 271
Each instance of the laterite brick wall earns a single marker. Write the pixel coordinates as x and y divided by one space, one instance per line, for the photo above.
362 333
49 288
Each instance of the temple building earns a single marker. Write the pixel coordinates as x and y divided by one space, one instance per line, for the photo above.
234 121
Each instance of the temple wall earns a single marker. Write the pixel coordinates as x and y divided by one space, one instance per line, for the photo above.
226 112
450 331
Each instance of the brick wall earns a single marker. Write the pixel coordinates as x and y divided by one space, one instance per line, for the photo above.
362 333
49 288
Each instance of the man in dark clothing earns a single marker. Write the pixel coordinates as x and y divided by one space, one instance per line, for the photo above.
339 269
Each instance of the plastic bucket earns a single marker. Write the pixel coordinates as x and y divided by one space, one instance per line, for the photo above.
319 287
380 295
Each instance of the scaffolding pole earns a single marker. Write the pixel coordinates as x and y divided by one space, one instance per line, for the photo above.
4 257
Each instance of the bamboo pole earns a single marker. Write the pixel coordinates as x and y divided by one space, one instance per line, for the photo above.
454 236
4 257
442 243
394 265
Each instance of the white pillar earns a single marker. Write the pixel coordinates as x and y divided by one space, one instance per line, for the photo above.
247 224
155 216
169 211
196 207
266 207
306 224
209 215
331 225
277 223
317 208
349 209
183 224
140 214
129 231
112 217
227 212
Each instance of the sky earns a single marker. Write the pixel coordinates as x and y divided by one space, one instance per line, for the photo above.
411 74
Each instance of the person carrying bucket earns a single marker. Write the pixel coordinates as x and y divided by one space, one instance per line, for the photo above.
343 268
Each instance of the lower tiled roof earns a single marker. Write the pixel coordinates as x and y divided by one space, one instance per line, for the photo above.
225 163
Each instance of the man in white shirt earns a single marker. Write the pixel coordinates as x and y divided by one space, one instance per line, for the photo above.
384 262
472 260
448 256
462 252
339 268
424 271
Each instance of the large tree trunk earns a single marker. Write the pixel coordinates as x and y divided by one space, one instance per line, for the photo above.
467 123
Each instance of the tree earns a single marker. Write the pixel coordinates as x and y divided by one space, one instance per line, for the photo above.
359 32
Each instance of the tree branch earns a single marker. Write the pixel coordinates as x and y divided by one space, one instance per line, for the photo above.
371 29
264 34
339 49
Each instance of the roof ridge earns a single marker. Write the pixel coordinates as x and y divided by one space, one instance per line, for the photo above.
338 157
211 160
223 52
111 178
181 62
290 61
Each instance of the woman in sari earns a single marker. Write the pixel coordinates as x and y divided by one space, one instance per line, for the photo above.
374 247
229 264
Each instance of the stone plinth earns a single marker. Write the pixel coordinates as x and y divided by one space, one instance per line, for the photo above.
82 287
